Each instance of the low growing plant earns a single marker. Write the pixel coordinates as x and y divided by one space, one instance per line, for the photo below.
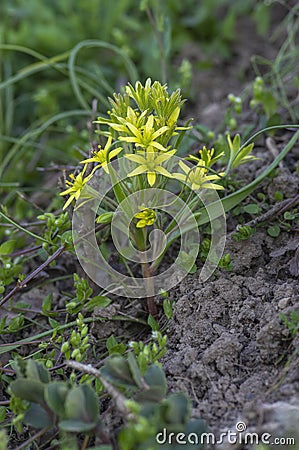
136 185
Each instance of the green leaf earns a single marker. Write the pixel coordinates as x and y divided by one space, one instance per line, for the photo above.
155 376
55 395
177 409
81 404
75 404
252 208
114 347
269 103
47 304
274 231
100 301
91 403
76 426
117 370
53 323
15 324
30 390
135 371
37 371
153 323
37 417
7 247
167 308
2 413
156 380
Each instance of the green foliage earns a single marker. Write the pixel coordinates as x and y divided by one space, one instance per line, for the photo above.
243 233
76 407
39 402
56 231
84 301
150 353
77 345
3 440
292 323
150 410
274 230
225 262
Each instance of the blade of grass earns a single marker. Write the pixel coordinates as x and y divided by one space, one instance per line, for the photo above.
19 227
132 71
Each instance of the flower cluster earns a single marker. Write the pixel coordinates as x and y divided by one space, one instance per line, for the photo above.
146 216
143 123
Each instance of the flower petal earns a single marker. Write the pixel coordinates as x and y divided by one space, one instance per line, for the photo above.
151 178
163 171
115 152
158 146
139 170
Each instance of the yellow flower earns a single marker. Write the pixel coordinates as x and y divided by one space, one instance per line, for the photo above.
151 165
147 217
103 156
206 157
197 177
75 186
145 136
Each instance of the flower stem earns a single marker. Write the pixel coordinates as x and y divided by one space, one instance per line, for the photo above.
147 274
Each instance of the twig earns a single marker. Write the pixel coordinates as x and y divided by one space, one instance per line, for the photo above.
20 285
37 435
278 209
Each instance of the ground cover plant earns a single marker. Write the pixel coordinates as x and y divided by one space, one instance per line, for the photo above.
148 260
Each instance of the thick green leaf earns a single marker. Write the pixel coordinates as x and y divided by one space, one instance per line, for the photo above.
252 208
100 301
2 413
91 403
75 408
135 371
155 376
7 247
176 409
37 417
30 390
37 371
117 370
156 380
55 396
81 404
154 394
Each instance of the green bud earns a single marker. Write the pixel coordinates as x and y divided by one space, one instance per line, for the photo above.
65 347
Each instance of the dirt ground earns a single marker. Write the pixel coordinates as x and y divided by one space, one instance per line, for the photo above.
228 347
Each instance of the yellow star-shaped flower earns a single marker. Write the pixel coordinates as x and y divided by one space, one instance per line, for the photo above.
151 165
145 136
75 186
197 177
103 156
